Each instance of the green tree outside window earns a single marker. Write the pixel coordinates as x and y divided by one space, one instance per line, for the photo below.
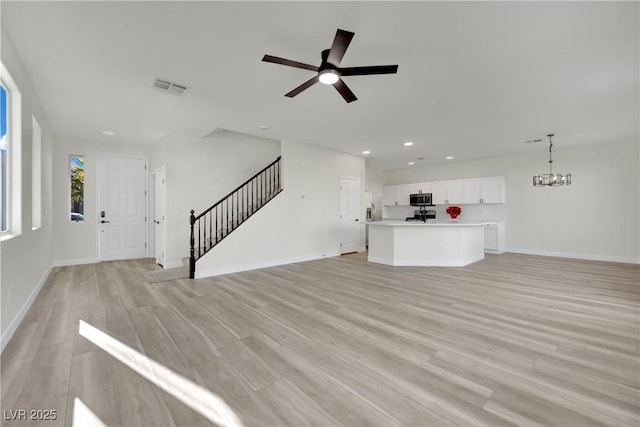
76 167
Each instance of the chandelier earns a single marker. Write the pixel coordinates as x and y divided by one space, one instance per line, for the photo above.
550 179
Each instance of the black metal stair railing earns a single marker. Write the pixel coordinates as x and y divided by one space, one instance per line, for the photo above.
216 223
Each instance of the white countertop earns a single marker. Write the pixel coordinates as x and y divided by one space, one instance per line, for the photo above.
432 223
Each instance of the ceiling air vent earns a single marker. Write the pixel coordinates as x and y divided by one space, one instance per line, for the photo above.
170 87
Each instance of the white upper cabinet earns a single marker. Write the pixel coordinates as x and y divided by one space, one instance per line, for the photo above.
405 190
424 187
390 195
472 191
403 193
455 192
440 192
493 190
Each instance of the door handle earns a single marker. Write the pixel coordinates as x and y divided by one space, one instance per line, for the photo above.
104 222
156 221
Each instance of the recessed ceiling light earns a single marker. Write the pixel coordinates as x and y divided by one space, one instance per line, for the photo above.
108 133
366 152
408 144
264 127
449 157
411 163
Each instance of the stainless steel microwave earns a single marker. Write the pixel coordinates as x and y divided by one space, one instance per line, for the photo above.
420 199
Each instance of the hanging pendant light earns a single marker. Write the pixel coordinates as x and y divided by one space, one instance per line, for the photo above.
550 179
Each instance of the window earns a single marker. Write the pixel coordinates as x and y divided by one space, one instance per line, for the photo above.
76 175
10 153
36 175
4 153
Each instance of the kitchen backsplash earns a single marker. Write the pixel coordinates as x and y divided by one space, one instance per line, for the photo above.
485 211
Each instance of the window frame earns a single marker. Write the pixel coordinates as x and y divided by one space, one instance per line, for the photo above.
36 174
14 156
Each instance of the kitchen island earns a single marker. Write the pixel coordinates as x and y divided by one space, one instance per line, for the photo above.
445 243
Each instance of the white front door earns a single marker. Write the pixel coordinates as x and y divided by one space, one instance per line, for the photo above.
159 214
122 207
350 227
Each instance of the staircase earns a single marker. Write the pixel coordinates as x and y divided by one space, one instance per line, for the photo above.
216 223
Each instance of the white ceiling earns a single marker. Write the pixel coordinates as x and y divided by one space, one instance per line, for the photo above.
475 79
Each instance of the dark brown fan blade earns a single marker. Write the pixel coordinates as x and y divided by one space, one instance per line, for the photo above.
344 90
363 71
302 87
289 63
339 46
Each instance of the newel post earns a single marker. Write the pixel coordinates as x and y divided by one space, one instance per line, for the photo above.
192 255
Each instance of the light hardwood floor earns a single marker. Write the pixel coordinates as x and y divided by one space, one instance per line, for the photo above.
510 340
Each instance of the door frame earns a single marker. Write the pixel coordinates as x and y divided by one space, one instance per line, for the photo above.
101 154
361 247
152 213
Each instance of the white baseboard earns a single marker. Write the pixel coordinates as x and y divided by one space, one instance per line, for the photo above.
421 262
590 257
13 326
493 251
262 264
177 264
77 261
80 261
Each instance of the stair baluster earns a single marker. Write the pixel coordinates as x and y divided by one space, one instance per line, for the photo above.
231 211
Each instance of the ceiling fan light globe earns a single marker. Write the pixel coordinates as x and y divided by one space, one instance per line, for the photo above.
329 77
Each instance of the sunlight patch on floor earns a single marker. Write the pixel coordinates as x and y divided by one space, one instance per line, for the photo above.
194 396
83 416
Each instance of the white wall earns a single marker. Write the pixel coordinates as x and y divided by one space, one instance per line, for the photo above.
158 155
25 261
76 242
292 228
597 217
199 172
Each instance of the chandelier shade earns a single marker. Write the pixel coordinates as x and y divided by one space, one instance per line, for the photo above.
550 179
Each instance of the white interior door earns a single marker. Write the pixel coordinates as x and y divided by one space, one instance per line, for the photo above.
349 214
122 207
159 214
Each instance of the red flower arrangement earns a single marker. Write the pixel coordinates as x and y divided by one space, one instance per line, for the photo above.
454 211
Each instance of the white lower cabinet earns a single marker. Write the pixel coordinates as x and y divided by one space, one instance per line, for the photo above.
494 238
491 237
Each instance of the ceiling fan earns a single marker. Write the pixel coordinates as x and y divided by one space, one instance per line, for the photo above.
329 71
